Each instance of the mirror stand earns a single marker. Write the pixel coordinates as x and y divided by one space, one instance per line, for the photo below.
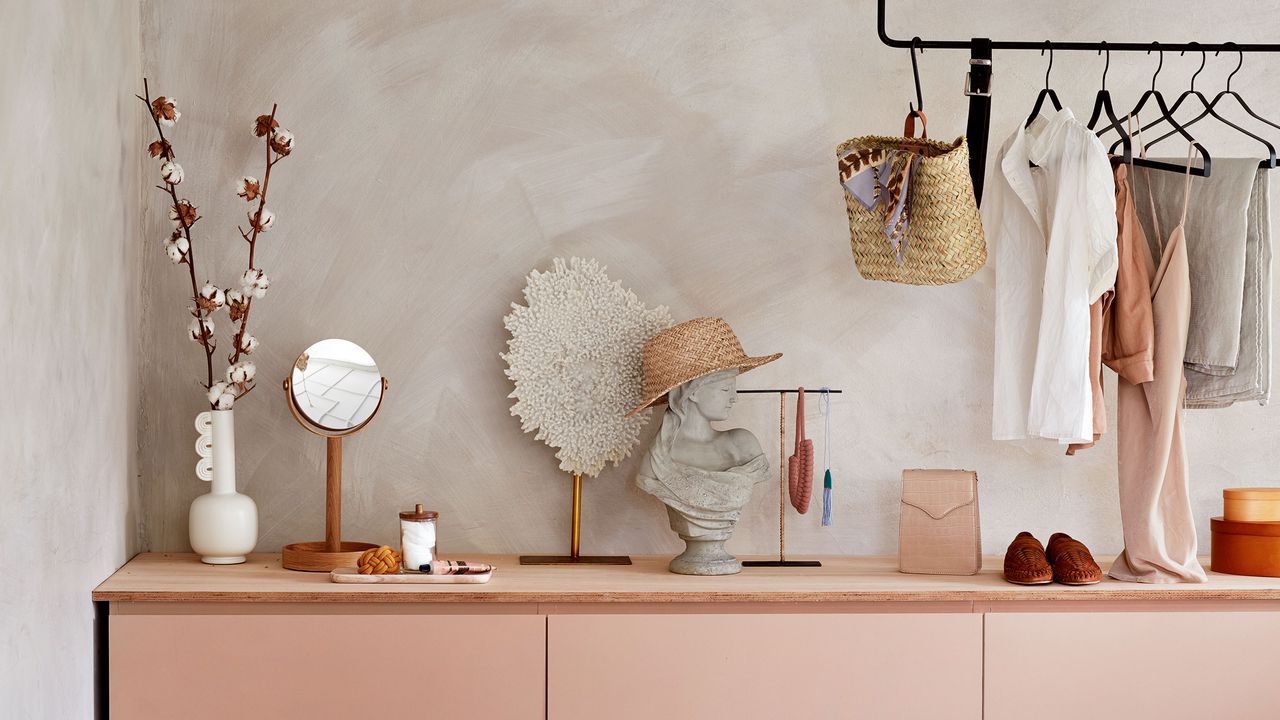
332 552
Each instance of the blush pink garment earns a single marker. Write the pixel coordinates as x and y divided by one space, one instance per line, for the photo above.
1121 333
1095 374
1128 332
1155 505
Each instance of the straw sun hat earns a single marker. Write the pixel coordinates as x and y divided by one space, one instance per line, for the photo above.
688 351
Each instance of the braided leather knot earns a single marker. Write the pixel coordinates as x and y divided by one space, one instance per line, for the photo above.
379 561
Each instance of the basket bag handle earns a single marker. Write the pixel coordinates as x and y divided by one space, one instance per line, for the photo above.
908 127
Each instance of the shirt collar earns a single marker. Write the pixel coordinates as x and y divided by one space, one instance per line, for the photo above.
1036 143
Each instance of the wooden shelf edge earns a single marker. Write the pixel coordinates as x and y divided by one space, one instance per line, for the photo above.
170 578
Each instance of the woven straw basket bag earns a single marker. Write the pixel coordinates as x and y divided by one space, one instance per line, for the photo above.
944 242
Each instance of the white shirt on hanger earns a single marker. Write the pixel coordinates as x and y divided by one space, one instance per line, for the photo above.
1053 232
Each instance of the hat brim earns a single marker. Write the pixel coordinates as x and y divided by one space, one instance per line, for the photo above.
751 364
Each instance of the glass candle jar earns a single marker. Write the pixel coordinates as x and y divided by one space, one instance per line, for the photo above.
417 538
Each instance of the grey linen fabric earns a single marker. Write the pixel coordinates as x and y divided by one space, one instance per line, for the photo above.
1228 230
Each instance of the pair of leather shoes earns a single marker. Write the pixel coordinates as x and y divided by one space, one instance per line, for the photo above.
1066 561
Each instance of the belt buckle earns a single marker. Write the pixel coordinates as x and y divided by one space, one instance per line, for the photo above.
968 79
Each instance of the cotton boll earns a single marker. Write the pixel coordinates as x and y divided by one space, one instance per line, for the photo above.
260 288
264 124
225 401
171 172
171 249
250 279
248 343
165 110
262 221
237 305
282 141
247 187
184 211
216 391
182 244
242 372
213 296
194 328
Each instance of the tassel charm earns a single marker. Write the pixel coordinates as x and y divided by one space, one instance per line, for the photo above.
824 406
826 499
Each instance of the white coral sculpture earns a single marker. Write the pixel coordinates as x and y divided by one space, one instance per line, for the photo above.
574 356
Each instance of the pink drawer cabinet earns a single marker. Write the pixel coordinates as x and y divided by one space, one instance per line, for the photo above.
851 639
1133 665
744 666
218 662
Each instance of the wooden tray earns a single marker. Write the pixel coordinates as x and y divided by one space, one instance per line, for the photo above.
351 575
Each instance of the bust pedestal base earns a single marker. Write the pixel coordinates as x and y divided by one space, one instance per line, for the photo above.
705 557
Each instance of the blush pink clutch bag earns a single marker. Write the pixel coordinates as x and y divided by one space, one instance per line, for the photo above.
938 530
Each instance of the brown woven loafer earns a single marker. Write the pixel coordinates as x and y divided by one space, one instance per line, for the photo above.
1072 562
1025 562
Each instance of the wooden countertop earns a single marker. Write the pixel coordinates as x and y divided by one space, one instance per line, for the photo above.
172 577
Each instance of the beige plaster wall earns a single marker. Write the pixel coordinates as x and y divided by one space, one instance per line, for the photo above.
69 298
446 148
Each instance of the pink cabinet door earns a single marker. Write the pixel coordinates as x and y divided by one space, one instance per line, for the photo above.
736 667
287 666
1131 665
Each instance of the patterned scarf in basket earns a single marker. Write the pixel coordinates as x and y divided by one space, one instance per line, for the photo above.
882 178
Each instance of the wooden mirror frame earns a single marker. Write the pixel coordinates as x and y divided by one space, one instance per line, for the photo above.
332 552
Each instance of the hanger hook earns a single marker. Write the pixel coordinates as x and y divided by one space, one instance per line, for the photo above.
1239 62
915 72
1047 46
1107 67
1156 46
1203 57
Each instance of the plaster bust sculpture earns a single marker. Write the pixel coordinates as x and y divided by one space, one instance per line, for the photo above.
703 475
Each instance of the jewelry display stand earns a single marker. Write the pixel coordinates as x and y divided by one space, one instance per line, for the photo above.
782 560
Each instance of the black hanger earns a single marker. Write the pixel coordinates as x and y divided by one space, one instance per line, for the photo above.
1153 93
1102 104
1209 111
1270 163
1047 92
1236 95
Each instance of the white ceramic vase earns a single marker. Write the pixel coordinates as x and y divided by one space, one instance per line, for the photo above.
223 525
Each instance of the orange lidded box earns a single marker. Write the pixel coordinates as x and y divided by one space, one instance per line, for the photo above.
1251 504
1245 548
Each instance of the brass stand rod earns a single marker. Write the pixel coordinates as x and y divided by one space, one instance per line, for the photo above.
575 535
782 476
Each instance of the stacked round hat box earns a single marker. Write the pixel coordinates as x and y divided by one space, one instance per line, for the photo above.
1246 539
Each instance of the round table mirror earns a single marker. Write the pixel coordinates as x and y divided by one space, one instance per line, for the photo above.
334 390
335 387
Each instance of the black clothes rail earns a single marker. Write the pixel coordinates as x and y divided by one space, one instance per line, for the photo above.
978 79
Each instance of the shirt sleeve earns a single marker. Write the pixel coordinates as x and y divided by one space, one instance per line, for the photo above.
1104 258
